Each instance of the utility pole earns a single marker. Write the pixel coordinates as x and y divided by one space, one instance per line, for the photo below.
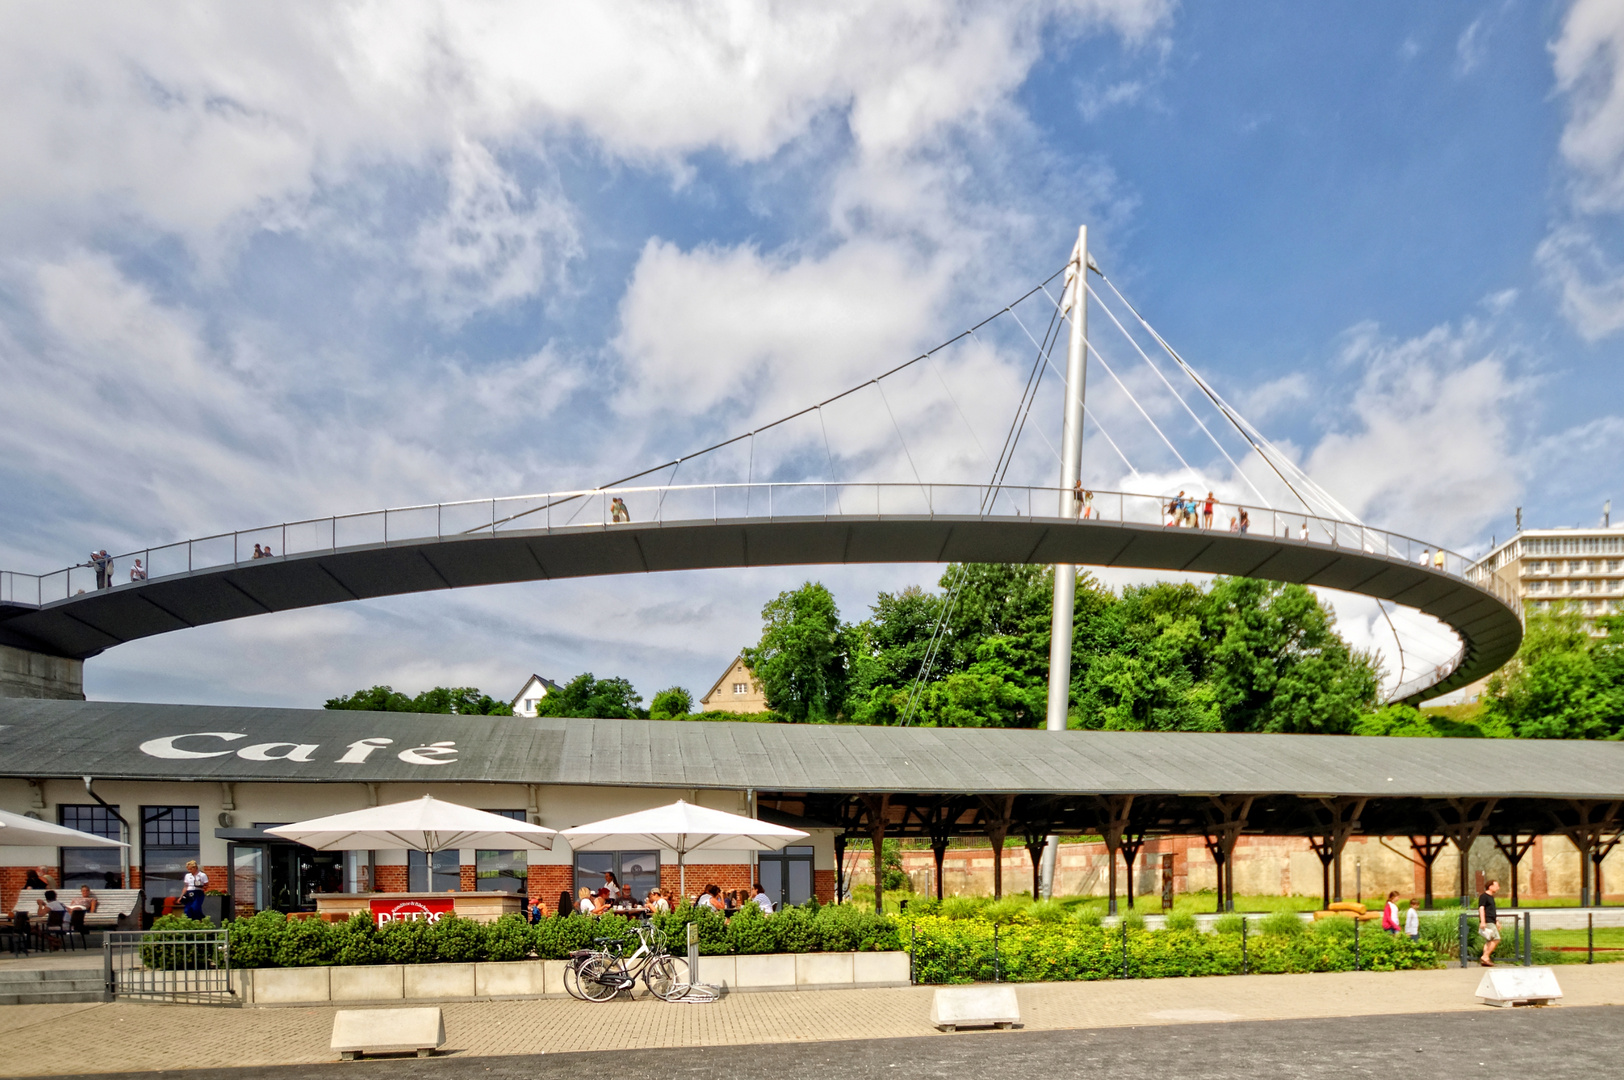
1071 461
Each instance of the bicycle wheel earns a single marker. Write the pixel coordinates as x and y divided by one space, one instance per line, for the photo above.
572 982
589 977
666 977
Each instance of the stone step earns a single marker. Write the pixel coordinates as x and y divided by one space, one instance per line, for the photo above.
20 980
51 997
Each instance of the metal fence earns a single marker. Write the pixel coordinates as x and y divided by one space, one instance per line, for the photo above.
186 966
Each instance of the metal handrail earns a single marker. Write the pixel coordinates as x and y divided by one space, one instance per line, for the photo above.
555 511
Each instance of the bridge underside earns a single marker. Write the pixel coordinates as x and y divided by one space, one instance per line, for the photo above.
84 625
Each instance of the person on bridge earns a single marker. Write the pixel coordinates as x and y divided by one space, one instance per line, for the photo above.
617 510
1438 560
1426 556
1175 510
138 572
104 568
1206 512
1246 523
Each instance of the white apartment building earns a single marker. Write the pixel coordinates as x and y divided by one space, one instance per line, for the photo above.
1547 567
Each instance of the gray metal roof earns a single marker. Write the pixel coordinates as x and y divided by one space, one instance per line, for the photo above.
41 739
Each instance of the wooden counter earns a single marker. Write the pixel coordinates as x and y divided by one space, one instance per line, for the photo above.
479 906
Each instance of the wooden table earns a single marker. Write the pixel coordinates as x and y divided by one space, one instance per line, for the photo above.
479 906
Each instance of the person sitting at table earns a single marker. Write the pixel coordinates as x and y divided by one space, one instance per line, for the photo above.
38 878
611 884
86 901
657 903
604 904
761 899
537 913
711 897
584 901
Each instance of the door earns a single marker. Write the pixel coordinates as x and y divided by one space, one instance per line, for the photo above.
247 886
786 876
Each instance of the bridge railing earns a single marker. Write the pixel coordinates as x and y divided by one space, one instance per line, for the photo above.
597 508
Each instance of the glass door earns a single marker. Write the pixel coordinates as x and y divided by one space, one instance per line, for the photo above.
247 886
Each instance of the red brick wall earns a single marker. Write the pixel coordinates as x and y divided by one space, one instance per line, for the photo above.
823 886
546 882
468 880
219 878
723 875
11 883
389 878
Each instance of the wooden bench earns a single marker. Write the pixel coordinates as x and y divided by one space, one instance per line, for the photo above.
116 909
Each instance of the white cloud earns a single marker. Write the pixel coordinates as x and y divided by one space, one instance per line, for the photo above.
1470 48
1431 451
1589 64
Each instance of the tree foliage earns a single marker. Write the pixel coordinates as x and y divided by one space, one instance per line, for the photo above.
588 696
463 700
670 703
801 659
1563 683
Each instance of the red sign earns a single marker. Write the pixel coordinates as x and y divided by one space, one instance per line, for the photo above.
428 907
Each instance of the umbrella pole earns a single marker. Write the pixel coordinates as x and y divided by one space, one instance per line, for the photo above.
682 878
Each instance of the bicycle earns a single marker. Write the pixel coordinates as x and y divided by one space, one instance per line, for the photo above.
599 974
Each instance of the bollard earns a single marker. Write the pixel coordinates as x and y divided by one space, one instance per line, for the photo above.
1528 939
997 976
1356 944
1590 938
1516 935
1465 938
913 945
1245 966
1124 947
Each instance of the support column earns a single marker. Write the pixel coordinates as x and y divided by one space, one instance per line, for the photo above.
1071 457
877 806
1131 843
1427 849
1226 817
28 674
1513 847
1114 822
996 818
1471 817
840 867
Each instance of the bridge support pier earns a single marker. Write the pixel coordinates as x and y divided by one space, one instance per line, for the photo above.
27 674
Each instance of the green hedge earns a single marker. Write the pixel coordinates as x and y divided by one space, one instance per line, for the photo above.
948 950
270 939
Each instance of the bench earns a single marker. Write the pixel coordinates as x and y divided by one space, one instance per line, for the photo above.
116 909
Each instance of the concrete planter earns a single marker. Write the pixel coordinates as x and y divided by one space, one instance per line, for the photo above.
545 978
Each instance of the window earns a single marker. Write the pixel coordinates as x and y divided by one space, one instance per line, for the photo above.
1536 586
446 875
786 876
100 868
636 871
741 688
503 871
168 840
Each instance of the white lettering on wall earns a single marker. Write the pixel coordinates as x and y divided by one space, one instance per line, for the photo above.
358 750
263 751
439 753
166 748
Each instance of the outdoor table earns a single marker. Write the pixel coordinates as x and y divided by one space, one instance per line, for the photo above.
479 906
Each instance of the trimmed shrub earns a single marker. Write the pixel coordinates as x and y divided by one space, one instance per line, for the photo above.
306 943
509 938
1282 924
355 941
407 941
748 932
1224 924
254 940
1184 922
793 929
459 941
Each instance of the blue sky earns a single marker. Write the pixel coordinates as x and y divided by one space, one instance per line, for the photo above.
269 263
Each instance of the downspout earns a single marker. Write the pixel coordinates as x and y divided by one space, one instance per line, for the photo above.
124 852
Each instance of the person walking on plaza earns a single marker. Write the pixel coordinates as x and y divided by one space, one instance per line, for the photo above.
191 894
1412 921
1488 922
1390 913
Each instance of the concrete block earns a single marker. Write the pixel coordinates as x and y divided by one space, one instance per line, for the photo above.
552 976
823 969
380 982
290 986
881 968
1510 986
436 981
718 971
515 978
383 1031
761 970
954 1007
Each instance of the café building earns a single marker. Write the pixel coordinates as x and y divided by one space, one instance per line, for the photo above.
183 782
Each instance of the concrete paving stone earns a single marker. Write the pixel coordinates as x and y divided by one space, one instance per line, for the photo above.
72 1039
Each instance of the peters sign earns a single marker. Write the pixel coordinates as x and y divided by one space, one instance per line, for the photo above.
428 908
207 744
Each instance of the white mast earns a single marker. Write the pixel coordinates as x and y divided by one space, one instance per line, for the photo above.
1071 461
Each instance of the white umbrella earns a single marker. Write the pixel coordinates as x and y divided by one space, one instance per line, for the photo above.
682 827
425 824
19 831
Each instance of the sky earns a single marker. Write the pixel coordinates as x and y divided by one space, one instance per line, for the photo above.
263 263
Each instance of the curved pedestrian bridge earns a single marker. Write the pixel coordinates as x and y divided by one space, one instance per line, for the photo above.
695 527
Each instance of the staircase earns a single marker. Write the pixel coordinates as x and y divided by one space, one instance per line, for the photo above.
50 986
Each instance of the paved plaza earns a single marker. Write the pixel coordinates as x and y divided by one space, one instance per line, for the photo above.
489 1037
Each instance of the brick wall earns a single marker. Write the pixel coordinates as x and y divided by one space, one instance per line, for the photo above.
823 886
389 878
546 882
467 878
11 883
724 876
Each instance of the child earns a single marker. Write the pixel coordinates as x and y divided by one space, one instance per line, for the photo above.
1412 921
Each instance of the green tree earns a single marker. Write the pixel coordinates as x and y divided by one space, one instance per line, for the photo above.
1562 684
462 700
588 696
801 659
669 703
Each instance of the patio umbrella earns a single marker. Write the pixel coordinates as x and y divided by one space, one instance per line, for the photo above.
19 831
425 824
682 827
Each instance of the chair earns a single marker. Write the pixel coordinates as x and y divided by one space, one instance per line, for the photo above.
20 932
53 928
76 925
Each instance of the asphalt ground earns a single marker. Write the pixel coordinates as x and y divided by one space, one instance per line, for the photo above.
1502 1044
